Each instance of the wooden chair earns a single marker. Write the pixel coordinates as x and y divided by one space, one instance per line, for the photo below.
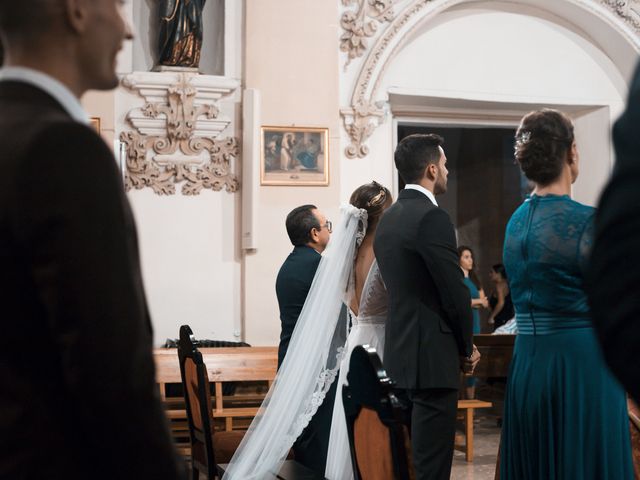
377 424
207 447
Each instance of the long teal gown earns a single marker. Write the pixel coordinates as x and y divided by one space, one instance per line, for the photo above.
565 415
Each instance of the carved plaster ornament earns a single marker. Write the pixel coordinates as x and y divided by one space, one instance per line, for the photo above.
362 23
176 152
365 114
628 10
360 122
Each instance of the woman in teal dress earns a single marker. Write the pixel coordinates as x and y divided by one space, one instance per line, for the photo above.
565 415
478 299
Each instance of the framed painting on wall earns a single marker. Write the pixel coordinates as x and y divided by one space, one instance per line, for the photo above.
294 156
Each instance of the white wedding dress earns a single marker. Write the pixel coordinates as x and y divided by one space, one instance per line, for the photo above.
315 353
367 329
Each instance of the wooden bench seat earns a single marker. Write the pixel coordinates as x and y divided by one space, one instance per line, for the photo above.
468 408
224 364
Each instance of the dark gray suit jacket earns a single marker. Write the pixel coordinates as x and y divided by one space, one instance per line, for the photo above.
78 397
430 322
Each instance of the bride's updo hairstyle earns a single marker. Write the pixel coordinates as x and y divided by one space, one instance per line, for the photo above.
372 197
543 141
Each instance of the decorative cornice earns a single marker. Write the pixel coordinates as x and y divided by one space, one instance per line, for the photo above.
366 113
176 134
361 24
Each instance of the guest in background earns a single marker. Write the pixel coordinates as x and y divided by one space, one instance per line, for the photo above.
478 300
614 269
309 232
500 300
565 415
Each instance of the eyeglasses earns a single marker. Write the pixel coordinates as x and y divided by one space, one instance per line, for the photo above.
329 226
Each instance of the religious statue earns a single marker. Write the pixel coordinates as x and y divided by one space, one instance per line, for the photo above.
180 32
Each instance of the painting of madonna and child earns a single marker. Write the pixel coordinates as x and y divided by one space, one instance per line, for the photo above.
294 156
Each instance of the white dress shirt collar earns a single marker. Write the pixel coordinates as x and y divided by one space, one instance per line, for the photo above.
420 188
50 85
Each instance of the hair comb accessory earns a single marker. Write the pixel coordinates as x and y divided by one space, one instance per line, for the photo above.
378 199
524 137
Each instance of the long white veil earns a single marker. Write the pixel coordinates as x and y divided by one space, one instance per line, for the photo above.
311 363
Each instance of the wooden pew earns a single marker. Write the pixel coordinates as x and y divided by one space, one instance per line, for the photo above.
496 351
245 364
236 364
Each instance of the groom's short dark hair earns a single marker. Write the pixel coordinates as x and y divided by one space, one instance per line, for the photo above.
414 153
299 223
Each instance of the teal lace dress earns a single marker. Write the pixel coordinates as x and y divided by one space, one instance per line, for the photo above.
565 415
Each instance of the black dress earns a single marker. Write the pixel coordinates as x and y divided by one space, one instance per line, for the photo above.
506 313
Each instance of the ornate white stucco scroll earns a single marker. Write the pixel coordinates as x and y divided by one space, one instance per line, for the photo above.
628 10
362 23
176 136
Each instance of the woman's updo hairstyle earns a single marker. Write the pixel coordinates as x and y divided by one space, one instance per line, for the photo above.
372 197
543 140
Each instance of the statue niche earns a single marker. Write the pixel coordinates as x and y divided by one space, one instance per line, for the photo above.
180 32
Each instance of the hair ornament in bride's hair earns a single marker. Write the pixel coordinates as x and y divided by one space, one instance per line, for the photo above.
380 198
524 137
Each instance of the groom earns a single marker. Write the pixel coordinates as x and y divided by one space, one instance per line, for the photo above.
429 324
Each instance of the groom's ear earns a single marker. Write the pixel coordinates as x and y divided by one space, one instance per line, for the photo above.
431 172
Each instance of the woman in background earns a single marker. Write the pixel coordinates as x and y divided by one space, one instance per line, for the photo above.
500 300
478 299
565 416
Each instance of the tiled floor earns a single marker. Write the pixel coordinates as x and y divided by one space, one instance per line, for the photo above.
486 441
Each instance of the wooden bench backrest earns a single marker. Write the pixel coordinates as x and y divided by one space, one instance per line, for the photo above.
225 364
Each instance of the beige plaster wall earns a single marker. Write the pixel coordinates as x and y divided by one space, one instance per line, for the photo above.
292 59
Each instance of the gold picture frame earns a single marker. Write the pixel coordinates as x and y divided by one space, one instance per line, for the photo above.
294 156
95 124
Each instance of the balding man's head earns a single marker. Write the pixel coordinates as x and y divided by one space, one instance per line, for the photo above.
75 41
25 20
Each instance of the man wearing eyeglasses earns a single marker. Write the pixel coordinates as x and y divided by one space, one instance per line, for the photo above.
309 232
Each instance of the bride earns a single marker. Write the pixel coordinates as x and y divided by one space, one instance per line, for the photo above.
347 272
